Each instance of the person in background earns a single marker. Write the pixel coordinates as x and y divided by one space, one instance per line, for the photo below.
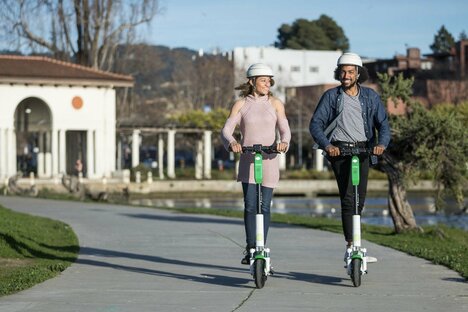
258 114
350 115
78 167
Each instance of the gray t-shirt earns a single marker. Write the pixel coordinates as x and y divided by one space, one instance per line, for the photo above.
350 125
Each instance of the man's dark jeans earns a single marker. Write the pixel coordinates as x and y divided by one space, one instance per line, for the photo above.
342 169
250 211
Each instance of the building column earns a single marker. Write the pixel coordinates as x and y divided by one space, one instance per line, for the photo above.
90 154
119 154
318 160
3 154
135 148
198 159
99 147
10 152
282 161
161 156
55 153
62 152
207 152
47 154
40 156
171 154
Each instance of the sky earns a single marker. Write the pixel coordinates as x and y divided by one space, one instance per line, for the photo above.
374 28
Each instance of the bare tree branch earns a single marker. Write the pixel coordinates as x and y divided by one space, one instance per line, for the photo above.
87 31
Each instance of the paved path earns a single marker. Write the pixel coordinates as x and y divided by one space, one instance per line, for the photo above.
141 259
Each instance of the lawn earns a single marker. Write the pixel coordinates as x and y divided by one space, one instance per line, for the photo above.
32 250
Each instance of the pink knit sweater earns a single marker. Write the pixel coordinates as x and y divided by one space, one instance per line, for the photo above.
258 122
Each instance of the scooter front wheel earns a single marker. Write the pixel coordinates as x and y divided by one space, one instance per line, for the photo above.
259 273
356 272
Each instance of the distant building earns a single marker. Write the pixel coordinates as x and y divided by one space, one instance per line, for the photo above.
408 64
292 68
439 77
54 113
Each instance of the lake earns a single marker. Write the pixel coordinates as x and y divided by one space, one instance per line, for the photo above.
375 212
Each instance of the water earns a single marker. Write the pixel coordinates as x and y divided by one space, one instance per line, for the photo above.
375 212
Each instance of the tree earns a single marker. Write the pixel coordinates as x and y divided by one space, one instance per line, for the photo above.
462 36
213 120
443 41
334 32
320 34
84 31
169 81
433 142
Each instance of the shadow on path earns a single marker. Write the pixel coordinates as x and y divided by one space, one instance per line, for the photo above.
202 278
184 218
197 219
313 278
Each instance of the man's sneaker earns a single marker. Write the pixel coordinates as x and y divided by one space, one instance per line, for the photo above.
246 259
370 259
347 256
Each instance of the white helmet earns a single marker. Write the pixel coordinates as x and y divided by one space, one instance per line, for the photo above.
259 69
349 58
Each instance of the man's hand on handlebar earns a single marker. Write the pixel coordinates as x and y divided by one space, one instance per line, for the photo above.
378 150
332 150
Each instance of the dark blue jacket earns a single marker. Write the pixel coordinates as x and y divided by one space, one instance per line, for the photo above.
373 113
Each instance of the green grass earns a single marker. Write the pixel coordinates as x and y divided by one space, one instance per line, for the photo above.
32 250
439 244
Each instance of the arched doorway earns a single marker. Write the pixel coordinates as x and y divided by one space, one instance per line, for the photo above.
33 125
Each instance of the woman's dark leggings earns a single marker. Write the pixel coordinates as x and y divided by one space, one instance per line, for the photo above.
342 169
250 210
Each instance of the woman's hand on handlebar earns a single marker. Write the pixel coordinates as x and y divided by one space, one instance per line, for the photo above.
378 150
282 147
235 147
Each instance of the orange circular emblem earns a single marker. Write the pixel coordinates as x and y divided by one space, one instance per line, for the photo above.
77 102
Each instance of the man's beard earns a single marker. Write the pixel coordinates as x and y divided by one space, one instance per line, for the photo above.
354 83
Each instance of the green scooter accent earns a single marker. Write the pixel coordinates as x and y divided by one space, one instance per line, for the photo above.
258 167
258 175
355 170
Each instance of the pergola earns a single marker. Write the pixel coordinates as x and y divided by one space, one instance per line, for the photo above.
166 142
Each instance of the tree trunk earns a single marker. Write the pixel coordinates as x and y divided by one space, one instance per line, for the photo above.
400 208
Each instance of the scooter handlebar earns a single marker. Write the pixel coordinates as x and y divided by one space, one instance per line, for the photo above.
351 151
260 148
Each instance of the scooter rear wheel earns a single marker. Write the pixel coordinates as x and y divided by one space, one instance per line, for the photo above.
356 272
259 273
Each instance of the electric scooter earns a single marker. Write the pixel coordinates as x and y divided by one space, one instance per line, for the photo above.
356 262
260 262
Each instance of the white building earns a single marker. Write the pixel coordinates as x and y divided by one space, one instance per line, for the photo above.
292 68
53 113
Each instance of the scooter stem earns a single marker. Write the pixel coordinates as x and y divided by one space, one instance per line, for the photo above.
356 230
259 239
